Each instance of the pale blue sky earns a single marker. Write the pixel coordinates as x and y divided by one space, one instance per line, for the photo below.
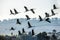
41 6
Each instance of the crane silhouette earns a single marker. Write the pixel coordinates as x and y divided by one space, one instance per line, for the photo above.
27 17
40 18
16 12
48 20
52 12
32 10
54 6
29 25
18 22
26 8
47 15
11 12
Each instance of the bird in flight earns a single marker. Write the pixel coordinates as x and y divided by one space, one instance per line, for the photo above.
52 12
16 12
27 17
26 9
40 18
32 10
54 6
47 15
48 20
29 25
18 22
11 12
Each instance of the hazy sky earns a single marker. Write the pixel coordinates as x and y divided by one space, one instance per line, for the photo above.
41 6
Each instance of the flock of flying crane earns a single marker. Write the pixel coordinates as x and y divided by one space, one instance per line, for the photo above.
28 18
